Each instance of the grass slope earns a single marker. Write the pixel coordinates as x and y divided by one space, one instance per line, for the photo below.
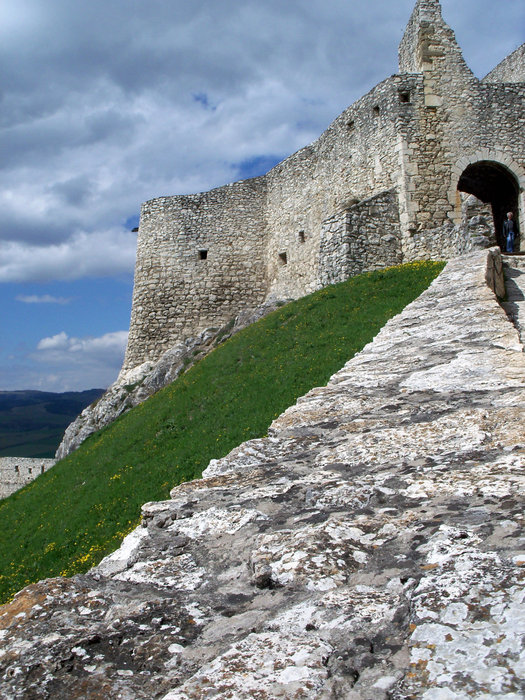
71 516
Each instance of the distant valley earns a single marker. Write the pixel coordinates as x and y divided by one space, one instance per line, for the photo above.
32 423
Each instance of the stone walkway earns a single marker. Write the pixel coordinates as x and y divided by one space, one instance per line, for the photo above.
370 548
514 270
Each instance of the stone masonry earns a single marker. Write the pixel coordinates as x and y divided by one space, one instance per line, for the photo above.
16 472
370 548
385 183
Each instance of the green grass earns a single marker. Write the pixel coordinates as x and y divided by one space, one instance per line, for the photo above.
74 514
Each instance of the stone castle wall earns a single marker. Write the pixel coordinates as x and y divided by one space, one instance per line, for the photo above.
510 70
198 263
16 472
362 238
408 145
356 158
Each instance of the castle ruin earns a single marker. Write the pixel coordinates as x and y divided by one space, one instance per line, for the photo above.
423 166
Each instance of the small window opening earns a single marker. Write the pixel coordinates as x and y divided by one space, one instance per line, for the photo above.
203 254
17 469
376 111
350 125
283 258
404 97
302 237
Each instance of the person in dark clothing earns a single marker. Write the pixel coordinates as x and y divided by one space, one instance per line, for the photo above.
509 232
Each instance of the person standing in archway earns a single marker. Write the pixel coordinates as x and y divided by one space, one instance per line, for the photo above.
509 232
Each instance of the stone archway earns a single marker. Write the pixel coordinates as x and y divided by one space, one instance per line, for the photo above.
493 184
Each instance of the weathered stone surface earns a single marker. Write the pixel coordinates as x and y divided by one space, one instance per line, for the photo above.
370 547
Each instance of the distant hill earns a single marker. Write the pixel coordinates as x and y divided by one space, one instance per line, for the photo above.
32 423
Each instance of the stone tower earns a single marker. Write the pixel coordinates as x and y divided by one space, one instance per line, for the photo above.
423 166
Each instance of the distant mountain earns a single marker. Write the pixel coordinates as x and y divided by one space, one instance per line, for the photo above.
32 423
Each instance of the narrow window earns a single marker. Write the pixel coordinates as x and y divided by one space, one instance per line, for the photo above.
350 125
376 111
404 97
283 258
203 254
302 237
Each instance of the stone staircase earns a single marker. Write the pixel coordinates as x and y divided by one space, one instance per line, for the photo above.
514 271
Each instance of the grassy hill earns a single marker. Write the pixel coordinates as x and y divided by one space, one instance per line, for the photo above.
32 423
74 514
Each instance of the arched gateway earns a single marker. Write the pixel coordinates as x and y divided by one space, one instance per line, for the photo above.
493 184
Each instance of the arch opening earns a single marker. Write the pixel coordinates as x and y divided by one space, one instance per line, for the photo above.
493 184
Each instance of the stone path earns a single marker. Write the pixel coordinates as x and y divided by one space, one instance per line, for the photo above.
514 270
369 548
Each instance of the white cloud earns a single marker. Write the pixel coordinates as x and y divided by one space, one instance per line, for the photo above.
69 363
65 348
42 299
83 255
60 341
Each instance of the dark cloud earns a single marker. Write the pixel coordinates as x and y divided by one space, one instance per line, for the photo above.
75 191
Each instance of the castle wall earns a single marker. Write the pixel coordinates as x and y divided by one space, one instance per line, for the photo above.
460 121
199 260
510 70
357 157
16 472
362 238
378 187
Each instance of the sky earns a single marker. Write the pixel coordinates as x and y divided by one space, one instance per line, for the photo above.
108 103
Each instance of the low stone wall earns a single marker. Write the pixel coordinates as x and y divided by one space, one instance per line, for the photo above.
16 472
364 237
475 232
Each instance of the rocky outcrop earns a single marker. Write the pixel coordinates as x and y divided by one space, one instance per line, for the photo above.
367 548
134 386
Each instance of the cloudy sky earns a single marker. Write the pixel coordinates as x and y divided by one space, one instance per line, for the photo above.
108 103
